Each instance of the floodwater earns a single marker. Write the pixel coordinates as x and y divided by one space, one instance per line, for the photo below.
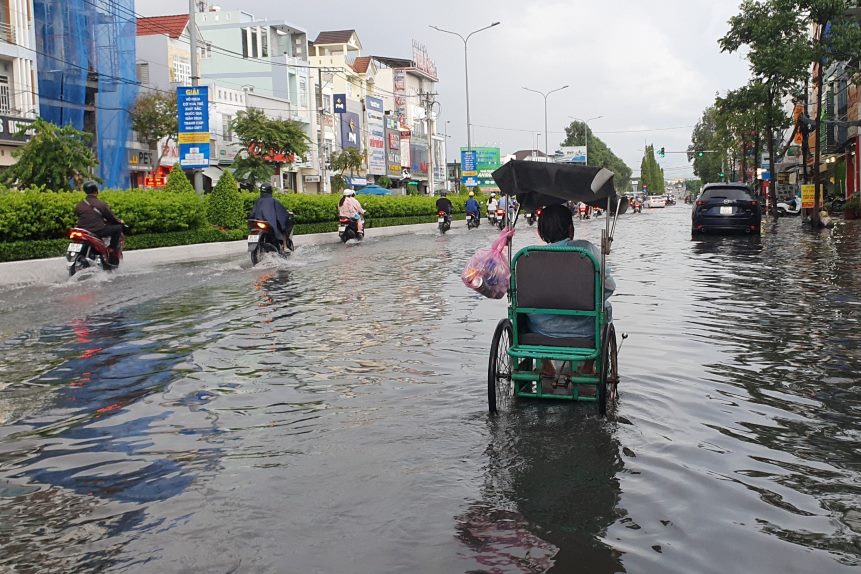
328 415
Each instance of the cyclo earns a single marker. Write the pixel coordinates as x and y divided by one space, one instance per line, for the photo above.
557 280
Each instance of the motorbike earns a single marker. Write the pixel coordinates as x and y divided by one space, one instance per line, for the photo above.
87 250
472 221
531 218
348 228
789 208
444 221
491 216
262 240
499 218
636 207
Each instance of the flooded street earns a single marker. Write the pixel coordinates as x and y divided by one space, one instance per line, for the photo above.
330 415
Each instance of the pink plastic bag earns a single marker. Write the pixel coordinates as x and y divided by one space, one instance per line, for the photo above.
487 271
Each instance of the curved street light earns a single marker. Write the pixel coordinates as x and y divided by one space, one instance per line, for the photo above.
586 130
544 95
465 39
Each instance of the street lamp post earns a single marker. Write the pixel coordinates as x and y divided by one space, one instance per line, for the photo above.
544 95
466 72
586 130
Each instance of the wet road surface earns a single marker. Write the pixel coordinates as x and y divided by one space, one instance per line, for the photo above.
329 415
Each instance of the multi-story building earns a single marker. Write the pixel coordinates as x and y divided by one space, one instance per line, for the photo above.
86 74
267 59
19 97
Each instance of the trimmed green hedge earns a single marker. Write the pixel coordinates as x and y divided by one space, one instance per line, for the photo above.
47 215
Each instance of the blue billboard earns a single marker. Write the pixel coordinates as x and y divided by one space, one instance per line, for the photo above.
351 130
192 103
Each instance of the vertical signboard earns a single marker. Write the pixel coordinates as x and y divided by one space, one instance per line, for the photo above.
468 170
376 136
351 130
393 147
339 103
399 81
192 104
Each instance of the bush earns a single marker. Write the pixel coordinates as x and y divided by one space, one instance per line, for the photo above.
177 182
224 205
49 215
384 181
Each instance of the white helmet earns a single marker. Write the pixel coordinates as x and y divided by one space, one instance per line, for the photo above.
492 195
349 192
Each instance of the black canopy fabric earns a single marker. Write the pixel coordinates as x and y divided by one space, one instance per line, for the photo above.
537 184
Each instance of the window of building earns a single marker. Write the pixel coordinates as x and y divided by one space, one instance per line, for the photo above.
264 42
327 103
143 73
181 71
245 33
226 132
254 42
5 95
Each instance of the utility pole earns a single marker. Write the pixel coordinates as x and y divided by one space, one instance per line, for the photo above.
195 77
428 100
321 140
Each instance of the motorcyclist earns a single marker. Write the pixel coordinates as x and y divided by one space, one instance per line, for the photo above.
444 204
472 207
270 210
491 205
350 207
95 216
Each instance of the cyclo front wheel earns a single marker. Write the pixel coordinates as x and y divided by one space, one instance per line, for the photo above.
500 386
608 390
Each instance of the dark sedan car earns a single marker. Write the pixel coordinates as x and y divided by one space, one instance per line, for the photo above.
725 207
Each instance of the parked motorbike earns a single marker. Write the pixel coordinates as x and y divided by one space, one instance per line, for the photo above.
472 221
532 217
348 228
262 240
499 218
87 250
789 208
443 221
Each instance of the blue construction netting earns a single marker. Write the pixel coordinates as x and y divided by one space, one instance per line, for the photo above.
86 58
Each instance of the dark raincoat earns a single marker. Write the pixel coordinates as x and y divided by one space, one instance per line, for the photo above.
269 209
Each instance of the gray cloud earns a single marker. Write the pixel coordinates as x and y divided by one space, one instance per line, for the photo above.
640 65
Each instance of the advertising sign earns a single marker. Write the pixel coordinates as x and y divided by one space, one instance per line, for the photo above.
574 154
339 103
468 171
399 81
486 161
808 195
393 148
376 136
419 158
351 130
192 104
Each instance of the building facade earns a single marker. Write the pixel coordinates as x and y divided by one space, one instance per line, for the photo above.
19 96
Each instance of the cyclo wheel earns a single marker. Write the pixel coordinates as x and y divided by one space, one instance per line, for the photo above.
500 387
608 390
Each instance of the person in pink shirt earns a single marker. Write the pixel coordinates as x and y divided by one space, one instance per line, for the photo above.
350 207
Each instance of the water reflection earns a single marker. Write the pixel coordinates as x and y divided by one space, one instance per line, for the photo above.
550 492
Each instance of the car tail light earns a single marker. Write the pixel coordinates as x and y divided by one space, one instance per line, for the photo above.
754 203
700 203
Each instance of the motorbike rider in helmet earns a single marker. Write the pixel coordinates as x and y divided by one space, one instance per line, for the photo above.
96 216
472 207
270 210
444 204
350 207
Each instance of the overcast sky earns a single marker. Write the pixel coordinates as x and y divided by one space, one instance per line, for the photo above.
642 65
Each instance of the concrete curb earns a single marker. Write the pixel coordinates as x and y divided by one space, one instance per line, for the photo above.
30 271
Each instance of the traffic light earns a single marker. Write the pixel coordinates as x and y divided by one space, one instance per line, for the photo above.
700 154
662 152
721 174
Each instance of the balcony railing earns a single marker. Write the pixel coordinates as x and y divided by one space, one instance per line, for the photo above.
7 33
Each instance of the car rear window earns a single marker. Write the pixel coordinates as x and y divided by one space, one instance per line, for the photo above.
726 193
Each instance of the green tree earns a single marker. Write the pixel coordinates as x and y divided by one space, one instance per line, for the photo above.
154 117
707 150
384 181
55 158
739 117
177 181
599 154
348 159
224 204
267 144
779 53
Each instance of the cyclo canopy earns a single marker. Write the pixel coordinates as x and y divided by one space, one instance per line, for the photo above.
537 184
